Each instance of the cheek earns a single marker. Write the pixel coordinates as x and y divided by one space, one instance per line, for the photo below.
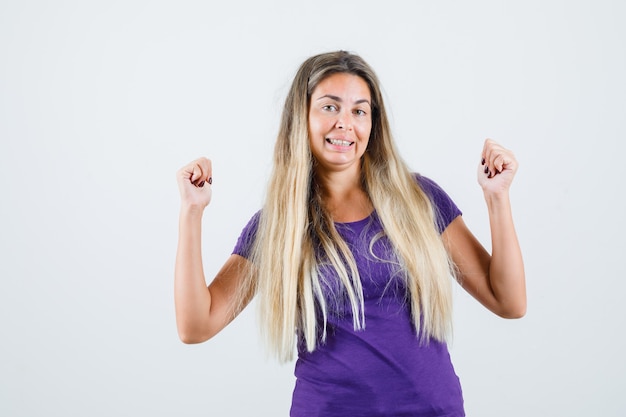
365 131
314 125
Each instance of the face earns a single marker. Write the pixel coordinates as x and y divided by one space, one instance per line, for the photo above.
340 122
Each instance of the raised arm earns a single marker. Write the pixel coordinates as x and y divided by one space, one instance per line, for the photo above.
201 311
496 280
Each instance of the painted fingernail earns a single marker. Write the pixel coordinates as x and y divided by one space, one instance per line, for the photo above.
201 184
486 170
210 180
482 162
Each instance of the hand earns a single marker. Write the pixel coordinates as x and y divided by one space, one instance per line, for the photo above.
194 183
497 168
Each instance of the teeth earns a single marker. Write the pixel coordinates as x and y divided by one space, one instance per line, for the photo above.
340 142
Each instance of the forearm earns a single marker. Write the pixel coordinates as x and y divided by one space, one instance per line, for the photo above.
192 297
506 269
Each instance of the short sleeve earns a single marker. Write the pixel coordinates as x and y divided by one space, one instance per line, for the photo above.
247 236
445 209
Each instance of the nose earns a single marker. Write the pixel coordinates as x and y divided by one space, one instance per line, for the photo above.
343 120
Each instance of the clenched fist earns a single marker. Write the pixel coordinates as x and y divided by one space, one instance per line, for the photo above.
497 168
194 183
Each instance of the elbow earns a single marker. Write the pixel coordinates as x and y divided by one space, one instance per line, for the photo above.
192 336
513 312
190 339
514 315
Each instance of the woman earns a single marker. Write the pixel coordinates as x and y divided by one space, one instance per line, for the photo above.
352 255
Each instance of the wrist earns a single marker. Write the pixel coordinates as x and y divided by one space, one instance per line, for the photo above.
497 199
191 210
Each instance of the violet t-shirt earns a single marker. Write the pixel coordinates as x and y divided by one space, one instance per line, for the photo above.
382 370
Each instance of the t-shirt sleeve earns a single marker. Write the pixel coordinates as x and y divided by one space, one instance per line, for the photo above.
445 209
246 238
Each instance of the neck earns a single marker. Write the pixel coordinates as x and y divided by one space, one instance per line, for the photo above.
343 196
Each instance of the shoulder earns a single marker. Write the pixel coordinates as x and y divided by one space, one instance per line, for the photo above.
247 236
444 207
429 186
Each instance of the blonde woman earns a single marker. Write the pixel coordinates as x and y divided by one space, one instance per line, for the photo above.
352 256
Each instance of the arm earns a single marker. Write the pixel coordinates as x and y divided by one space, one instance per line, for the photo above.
201 311
496 280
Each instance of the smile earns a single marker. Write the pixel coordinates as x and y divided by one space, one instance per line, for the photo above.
339 142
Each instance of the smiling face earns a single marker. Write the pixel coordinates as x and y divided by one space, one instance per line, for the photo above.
340 122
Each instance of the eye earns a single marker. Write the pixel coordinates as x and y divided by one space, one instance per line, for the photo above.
360 112
329 107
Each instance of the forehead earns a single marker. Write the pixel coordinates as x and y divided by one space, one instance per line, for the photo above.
344 85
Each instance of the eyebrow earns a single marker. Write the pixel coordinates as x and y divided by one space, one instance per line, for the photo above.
336 98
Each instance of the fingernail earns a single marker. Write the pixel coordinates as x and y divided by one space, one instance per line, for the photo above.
210 180
482 162
486 170
201 184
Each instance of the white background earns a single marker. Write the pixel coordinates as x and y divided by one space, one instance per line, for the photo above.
101 103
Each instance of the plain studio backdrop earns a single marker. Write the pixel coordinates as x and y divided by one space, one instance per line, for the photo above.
102 102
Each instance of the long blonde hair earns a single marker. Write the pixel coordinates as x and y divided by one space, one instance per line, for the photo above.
285 273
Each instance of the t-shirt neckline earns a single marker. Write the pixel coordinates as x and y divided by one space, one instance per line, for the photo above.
357 222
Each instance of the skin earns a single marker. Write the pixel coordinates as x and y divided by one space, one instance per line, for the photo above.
498 280
340 110
201 312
